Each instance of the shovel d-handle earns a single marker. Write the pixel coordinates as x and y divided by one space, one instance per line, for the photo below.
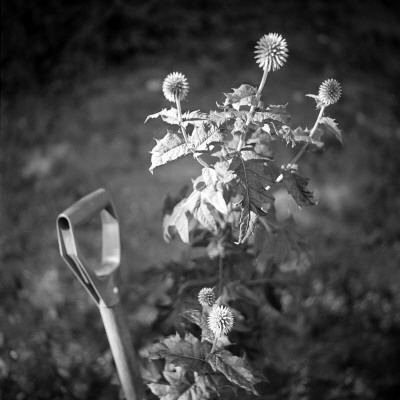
101 281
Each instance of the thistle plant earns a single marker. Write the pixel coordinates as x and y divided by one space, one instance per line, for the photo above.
230 211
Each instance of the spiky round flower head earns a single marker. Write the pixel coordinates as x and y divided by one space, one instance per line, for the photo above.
271 52
175 87
220 320
206 297
329 92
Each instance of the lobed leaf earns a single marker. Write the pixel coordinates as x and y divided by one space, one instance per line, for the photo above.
297 186
245 95
203 135
273 114
255 173
179 220
180 388
235 369
169 148
188 353
169 116
330 126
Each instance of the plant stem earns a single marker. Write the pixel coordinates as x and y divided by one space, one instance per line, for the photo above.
183 130
242 138
220 273
262 83
214 344
303 149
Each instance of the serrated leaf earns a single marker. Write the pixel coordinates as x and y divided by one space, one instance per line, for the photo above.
203 135
245 95
194 118
297 186
220 118
330 126
274 115
169 116
205 217
179 220
235 369
169 148
180 388
255 173
215 198
239 126
247 221
188 353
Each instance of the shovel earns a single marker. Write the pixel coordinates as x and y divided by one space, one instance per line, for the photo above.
101 281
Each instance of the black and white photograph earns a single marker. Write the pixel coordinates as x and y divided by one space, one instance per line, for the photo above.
200 200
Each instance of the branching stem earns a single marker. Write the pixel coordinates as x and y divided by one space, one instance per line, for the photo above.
303 149
221 274
214 344
242 138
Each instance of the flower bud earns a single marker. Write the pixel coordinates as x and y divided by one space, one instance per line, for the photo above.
271 52
175 87
220 320
206 297
329 92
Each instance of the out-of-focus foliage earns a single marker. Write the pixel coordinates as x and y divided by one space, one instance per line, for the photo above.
57 146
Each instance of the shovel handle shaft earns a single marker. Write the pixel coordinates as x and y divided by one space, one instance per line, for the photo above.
121 347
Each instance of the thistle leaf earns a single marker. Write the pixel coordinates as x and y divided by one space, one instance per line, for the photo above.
329 125
297 186
247 222
194 118
255 173
169 148
273 115
203 135
188 353
169 116
235 369
179 220
205 217
180 388
245 95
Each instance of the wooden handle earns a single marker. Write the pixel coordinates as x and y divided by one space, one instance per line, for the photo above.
121 347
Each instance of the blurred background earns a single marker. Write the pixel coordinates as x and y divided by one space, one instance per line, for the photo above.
78 80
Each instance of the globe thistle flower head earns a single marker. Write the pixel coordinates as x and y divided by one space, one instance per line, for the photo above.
206 297
329 92
175 87
220 320
271 52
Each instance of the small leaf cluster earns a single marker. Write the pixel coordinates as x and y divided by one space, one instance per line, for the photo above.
195 368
